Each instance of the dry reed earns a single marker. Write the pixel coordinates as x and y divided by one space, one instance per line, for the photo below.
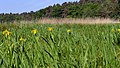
77 21
72 21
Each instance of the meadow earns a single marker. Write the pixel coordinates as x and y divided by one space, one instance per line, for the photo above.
59 46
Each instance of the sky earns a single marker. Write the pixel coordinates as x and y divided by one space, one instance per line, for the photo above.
19 6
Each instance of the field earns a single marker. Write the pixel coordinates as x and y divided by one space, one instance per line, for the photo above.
59 46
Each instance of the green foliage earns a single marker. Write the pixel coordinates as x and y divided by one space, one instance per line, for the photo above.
65 46
90 10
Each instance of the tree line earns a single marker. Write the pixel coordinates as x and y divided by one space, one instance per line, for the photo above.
81 9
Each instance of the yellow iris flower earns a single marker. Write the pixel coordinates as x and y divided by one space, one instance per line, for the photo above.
22 39
34 31
68 30
50 28
119 30
6 33
113 30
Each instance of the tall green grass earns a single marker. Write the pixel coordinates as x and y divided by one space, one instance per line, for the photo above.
85 46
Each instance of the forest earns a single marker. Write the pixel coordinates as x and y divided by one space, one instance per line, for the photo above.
81 9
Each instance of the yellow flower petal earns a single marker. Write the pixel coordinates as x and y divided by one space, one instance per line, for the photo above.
118 30
113 30
50 28
34 31
6 33
22 39
68 30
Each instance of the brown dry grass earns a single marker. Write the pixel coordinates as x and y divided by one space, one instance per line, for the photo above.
72 21
77 21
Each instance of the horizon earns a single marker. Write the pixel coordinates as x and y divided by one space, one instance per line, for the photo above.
13 6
